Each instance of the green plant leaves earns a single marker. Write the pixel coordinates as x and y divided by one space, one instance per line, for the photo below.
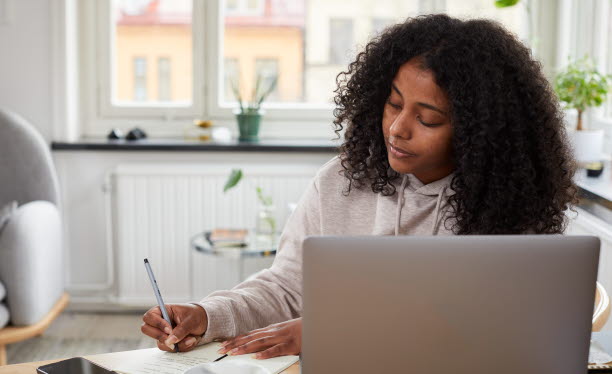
581 86
265 200
233 179
505 3
258 96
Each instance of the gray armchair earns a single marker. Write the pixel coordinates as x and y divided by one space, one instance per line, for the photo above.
31 255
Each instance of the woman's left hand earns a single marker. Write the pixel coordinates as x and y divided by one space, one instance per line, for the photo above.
280 339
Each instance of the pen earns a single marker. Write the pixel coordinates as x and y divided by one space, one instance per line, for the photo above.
160 301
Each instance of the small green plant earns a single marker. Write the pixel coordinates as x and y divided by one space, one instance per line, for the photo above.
235 177
257 98
505 3
580 86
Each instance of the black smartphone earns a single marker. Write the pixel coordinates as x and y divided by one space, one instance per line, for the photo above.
75 365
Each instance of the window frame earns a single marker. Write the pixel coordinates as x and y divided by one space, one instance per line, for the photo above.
97 114
206 31
276 112
102 29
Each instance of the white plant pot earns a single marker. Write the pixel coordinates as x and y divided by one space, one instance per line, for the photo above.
587 145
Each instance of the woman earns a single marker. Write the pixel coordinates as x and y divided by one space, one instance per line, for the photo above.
451 129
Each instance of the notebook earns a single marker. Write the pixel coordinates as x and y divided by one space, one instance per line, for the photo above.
600 358
155 361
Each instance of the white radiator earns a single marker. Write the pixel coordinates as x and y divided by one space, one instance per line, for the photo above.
157 208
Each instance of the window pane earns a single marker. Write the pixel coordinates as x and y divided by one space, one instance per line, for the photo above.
152 32
514 18
164 79
340 41
230 66
314 40
309 41
267 70
140 79
608 110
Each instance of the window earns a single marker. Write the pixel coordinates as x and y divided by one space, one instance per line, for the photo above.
244 7
587 32
379 24
168 61
608 53
164 84
147 34
308 55
267 69
340 41
140 79
514 18
231 72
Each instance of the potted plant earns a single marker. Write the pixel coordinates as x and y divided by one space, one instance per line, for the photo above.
580 86
248 114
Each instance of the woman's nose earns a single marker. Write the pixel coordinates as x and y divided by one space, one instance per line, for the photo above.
401 127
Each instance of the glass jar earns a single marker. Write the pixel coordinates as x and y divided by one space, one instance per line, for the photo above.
265 226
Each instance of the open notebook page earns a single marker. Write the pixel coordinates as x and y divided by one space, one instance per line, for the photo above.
272 365
159 362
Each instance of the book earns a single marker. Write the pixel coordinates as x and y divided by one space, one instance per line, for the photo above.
228 238
202 359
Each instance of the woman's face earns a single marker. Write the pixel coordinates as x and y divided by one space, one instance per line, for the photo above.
416 120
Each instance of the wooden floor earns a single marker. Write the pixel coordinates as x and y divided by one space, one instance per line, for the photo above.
78 333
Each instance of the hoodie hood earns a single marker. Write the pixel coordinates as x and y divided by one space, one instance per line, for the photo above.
440 188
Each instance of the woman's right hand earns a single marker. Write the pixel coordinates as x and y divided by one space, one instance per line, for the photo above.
190 322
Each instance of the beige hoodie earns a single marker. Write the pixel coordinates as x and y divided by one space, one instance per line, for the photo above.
275 294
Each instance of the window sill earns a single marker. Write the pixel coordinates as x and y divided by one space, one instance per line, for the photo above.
180 144
594 193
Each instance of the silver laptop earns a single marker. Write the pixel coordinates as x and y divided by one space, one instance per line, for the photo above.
448 304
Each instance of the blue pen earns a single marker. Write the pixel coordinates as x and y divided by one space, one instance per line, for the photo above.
160 301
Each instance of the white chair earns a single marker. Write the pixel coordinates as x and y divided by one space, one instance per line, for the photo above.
602 308
31 255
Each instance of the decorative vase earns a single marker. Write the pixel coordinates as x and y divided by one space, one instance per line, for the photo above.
588 145
265 226
248 125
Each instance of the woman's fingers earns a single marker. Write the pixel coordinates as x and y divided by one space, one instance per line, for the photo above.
282 349
153 332
185 345
154 318
189 343
164 347
256 345
242 339
160 336
267 329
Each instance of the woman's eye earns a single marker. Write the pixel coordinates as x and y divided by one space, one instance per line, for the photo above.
396 106
427 124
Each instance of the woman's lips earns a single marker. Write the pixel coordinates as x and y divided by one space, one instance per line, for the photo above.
398 152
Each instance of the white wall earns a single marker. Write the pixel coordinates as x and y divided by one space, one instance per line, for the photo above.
25 66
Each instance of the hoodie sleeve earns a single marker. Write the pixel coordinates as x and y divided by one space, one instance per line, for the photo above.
275 294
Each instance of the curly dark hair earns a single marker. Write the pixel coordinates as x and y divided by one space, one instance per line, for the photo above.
513 165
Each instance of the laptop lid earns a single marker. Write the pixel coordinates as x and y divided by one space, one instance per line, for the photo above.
448 304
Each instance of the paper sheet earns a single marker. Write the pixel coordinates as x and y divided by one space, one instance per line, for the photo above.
597 354
160 362
272 365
